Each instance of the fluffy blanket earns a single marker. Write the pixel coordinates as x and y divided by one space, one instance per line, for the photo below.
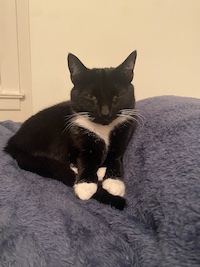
42 223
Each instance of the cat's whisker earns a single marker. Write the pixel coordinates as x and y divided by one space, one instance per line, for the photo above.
134 112
128 109
128 112
129 117
139 113
69 117
69 124
83 113
76 114
87 116
141 118
70 120
91 118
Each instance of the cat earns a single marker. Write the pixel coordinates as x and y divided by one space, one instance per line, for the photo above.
89 131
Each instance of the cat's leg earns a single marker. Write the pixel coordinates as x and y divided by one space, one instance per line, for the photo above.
113 179
46 167
88 163
87 179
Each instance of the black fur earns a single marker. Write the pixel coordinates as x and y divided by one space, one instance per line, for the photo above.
48 142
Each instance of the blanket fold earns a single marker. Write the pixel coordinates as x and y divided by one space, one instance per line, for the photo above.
43 224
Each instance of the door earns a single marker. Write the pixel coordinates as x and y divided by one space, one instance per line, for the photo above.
15 67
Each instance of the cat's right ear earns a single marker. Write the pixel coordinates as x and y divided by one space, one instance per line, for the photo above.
127 67
76 68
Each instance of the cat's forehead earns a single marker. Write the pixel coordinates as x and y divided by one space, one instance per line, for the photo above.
102 76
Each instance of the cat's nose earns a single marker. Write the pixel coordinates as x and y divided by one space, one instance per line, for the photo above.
105 111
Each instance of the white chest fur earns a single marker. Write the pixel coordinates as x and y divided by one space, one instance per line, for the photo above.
102 131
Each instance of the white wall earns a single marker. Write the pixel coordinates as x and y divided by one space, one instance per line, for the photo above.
102 33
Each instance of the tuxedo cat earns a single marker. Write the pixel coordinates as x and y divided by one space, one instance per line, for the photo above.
89 131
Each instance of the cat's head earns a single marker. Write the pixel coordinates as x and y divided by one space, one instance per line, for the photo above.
104 92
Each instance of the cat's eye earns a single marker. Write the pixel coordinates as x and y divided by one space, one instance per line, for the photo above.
120 94
115 98
90 97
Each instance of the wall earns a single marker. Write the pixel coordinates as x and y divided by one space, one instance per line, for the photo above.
103 32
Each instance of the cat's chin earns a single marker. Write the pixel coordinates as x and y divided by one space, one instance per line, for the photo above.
103 121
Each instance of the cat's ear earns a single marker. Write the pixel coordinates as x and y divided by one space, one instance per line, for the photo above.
127 67
76 68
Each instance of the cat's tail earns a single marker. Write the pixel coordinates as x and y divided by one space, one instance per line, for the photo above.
106 198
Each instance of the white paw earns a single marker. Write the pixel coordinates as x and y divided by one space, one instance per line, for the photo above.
85 191
101 173
114 187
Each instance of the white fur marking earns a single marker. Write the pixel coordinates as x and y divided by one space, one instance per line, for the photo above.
103 131
101 173
114 187
85 191
75 169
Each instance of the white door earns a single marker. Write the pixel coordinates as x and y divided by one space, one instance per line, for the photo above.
15 67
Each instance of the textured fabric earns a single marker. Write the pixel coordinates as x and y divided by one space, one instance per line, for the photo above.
42 223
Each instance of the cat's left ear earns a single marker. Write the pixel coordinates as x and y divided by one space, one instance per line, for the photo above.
76 68
127 67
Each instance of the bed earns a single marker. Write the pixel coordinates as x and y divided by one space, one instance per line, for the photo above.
42 223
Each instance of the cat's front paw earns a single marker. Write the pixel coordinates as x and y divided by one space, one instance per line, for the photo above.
85 191
114 187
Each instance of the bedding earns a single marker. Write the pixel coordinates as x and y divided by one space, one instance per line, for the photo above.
42 223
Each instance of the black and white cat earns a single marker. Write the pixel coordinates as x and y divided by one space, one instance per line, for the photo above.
89 131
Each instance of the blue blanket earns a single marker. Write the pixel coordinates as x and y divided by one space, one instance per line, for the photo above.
42 223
